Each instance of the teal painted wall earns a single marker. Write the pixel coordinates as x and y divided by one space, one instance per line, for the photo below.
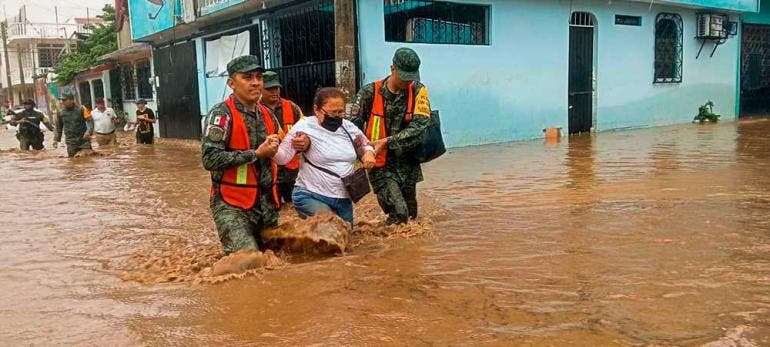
517 85
729 5
763 17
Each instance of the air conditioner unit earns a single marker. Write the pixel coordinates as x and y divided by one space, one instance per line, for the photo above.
711 26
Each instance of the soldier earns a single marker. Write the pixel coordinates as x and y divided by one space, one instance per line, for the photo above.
394 114
28 122
238 145
288 114
77 126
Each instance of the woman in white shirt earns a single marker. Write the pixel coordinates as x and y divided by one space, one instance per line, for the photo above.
336 143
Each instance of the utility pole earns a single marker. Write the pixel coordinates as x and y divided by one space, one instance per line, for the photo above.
21 67
4 32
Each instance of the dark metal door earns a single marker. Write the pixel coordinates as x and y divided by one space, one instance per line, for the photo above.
178 102
755 70
581 65
298 43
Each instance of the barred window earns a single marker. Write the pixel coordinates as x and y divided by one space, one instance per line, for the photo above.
668 48
48 54
428 21
143 79
127 81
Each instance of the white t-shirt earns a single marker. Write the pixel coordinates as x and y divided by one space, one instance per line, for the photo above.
330 150
103 120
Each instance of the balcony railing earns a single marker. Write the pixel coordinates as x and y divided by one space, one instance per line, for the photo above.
42 30
28 74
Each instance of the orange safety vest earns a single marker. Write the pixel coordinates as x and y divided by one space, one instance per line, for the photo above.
240 185
288 122
375 128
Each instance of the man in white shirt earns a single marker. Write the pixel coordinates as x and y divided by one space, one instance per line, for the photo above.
104 124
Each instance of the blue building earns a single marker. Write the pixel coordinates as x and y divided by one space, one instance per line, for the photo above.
497 70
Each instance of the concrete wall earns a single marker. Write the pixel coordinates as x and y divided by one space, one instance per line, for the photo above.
517 85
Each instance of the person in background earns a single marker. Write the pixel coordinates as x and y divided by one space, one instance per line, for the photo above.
28 122
77 127
288 114
336 145
145 118
104 124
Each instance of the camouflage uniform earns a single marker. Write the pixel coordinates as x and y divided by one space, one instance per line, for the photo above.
396 183
238 229
29 133
286 177
75 122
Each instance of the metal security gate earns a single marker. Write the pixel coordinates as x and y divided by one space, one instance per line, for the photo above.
178 103
581 66
298 43
755 70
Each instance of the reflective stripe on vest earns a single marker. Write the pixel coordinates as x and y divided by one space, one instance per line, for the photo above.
288 122
239 186
376 128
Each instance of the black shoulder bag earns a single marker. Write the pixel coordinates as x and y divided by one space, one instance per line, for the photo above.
357 183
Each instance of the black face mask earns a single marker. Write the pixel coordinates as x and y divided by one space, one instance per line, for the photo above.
331 123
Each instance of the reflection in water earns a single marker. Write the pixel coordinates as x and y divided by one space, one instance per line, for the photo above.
650 237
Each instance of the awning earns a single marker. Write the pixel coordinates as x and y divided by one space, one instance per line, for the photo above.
136 51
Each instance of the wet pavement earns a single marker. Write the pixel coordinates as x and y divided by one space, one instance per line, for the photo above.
646 237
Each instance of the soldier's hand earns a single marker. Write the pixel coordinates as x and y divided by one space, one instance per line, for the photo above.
86 136
368 160
301 142
55 145
380 144
268 148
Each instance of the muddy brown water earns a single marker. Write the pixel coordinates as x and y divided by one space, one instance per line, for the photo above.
645 237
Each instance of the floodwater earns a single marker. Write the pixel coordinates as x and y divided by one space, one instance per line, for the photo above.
646 237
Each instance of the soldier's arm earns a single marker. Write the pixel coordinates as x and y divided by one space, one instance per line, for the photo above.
57 133
297 111
15 119
214 153
362 106
45 121
413 134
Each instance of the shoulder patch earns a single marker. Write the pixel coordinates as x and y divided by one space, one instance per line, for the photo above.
215 133
422 103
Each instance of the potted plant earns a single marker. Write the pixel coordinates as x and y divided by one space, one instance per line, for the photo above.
706 114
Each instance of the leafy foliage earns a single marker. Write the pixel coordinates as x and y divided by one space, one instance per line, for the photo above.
706 113
101 41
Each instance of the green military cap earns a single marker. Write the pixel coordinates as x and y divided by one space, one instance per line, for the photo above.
271 79
407 64
245 63
67 96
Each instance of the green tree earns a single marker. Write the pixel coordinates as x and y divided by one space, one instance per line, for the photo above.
101 41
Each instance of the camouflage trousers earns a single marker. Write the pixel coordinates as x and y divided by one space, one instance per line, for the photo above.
30 140
239 229
74 148
286 180
398 201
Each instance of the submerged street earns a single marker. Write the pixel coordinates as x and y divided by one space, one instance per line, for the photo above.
646 237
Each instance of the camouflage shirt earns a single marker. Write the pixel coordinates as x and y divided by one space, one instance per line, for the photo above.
32 126
74 123
215 155
403 136
278 112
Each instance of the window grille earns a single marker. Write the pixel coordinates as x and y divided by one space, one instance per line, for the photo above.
143 75
127 81
668 48
48 54
441 22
